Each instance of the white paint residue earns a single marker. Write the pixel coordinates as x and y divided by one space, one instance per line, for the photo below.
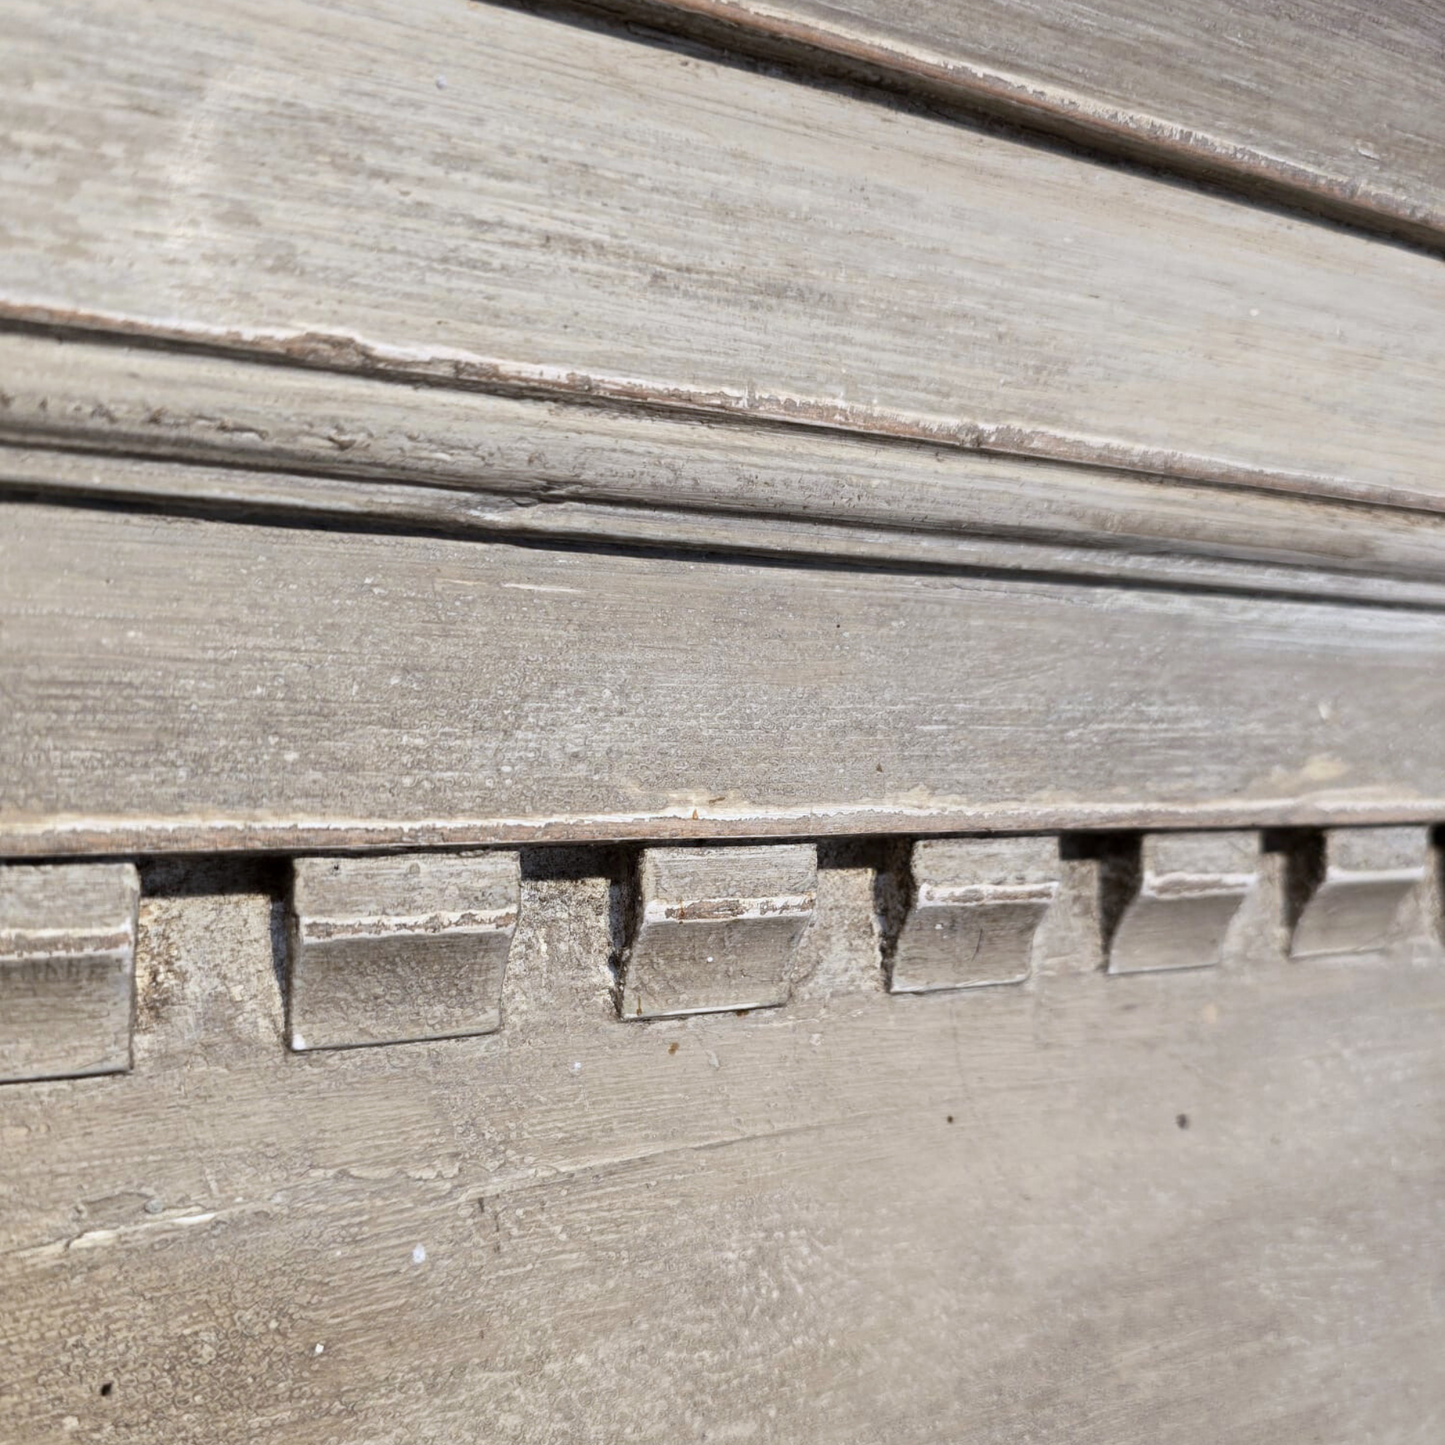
537 587
319 1350
418 1255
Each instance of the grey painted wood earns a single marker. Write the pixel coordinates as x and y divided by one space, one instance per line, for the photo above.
1335 106
209 431
67 967
1191 888
862 1217
1370 874
183 684
716 928
579 215
975 907
399 947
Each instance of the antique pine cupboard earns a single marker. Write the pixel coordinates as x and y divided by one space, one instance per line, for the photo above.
720 720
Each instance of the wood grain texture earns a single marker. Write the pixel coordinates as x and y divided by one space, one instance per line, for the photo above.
1335 106
67 969
580 215
178 684
716 928
974 912
1369 877
1097 1211
1190 890
203 431
398 948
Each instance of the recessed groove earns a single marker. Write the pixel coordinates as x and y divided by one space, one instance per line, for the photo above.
720 537
238 438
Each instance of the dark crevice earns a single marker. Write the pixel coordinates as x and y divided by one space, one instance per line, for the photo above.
1119 856
1304 866
893 895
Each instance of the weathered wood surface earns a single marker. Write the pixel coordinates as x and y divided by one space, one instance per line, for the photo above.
205 431
973 912
1369 876
716 928
175 684
489 198
398 948
67 969
1190 889
1337 105
1156 1210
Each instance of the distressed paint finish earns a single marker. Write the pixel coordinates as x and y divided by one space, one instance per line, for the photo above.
716 928
180 684
67 969
578 215
975 907
399 947
1369 876
1190 889
1334 106
705 455
862 1217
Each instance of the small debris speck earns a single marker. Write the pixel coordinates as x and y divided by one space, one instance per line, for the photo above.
418 1255
1182 1121
441 82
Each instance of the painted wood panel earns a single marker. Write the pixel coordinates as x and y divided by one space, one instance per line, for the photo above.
175 683
483 197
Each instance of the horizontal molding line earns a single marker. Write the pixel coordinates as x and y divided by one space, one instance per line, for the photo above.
237 438
348 355
575 216
62 837
830 49
252 497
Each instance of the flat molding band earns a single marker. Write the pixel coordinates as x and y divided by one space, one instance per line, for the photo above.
179 684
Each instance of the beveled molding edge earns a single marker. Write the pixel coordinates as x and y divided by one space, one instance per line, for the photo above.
413 947
52 838
146 426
